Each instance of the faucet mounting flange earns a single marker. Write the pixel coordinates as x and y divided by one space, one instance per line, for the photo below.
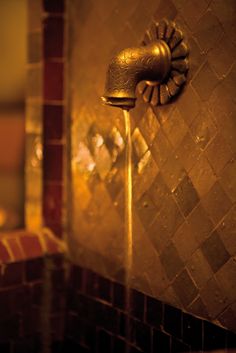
159 66
157 93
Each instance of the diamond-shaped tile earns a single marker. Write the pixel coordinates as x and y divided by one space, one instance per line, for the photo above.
161 148
171 261
212 246
175 128
216 203
184 241
222 56
199 269
227 231
228 180
208 31
173 172
202 176
193 11
185 288
205 81
203 129
188 152
222 157
186 196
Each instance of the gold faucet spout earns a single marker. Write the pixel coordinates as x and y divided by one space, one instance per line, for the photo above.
132 65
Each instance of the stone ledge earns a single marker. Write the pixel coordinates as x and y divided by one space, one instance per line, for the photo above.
22 245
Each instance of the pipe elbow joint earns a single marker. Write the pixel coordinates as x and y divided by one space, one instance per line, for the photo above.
132 65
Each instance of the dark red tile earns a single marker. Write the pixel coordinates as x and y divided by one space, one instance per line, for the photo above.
54 6
53 80
31 246
53 37
161 341
137 304
52 246
52 122
214 337
172 320
192 332
104 288
52 202
53 157
10 328
13 274
4 255
6 304
119 295
154 312
56 228
34 269
15 249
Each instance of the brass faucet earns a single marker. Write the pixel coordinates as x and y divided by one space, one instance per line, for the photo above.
156 63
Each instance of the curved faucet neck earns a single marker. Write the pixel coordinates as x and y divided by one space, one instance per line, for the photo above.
132 65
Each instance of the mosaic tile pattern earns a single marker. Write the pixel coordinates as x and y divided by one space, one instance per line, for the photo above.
44 116
98 320
184 174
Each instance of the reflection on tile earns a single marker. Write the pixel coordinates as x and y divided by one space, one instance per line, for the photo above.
139 144
149 126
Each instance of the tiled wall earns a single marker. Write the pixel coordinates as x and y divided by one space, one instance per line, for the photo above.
184 197
98 321
45 115
32 293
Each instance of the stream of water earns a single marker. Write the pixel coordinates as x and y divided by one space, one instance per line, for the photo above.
128 206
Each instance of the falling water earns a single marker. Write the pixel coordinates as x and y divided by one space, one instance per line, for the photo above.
128 196
128 205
